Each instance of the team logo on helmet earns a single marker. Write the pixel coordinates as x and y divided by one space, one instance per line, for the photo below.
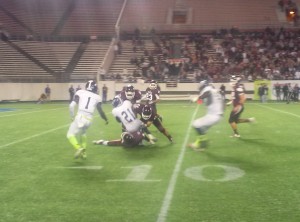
117 101
91 86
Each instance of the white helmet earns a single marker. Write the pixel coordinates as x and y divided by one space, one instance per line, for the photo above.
153 84
203 84
129 92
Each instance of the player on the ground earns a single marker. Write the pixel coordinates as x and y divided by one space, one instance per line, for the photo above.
215 110
148 117
124 113
87 100
131 125
238 100
127 140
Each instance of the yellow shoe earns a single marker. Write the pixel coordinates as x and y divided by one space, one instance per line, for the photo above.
80 153
199 144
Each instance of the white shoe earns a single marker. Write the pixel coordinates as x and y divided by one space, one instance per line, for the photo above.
252 120
83 154
151 137
152 142
236 135
80 153
195 147
98 142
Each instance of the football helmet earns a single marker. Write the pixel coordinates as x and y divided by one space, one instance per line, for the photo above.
91 86
146 112
203 84
153 84
127 138
129 92
235 80
117 101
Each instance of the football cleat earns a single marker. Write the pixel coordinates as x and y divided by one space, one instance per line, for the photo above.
252 120
151 139
83 154
235 135
199 144
170 139
80 153
195 147
98 142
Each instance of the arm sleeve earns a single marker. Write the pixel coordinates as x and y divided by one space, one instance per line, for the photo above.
101 113
72 109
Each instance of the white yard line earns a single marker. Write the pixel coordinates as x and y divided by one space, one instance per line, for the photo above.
37 135
278 110
36 111
170 190
33 136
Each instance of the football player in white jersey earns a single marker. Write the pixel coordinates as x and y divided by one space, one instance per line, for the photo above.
215 110
87 100
123 111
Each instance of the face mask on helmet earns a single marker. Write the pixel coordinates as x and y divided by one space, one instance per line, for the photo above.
129 92
146 112
91 86
153 84
116 102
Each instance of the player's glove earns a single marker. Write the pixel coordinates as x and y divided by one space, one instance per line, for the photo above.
195 99
229 103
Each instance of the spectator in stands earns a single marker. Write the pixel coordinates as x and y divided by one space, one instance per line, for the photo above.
48 92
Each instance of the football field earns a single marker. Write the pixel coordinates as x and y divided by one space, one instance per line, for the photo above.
252 178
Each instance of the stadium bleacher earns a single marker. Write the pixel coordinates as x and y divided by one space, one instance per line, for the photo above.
42 21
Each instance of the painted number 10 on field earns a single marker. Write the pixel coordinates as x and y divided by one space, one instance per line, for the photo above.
140 173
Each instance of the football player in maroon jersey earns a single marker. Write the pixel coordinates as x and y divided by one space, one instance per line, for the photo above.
152 96
131 94
149 117
238 100
127 140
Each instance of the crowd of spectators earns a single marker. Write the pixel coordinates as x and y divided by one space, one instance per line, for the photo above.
272 54
269 54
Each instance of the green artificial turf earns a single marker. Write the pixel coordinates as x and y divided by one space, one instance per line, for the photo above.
252 178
